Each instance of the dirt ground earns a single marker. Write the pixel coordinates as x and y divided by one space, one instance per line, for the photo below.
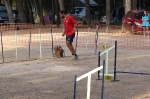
54 78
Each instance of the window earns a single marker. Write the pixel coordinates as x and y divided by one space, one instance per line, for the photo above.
76 10
129 15
138 15
2 7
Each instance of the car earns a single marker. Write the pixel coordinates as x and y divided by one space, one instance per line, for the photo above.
132 21
4 16
79 14
116 15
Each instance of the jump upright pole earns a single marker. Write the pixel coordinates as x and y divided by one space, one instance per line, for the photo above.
75 83
115 61
115 69
99 66
102 90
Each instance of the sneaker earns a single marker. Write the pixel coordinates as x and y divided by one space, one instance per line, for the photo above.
74 57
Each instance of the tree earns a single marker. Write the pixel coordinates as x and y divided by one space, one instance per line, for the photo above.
127 5
29 8
134 4
9 10
41 12
88 15
36 5
61 4
21 12
57 11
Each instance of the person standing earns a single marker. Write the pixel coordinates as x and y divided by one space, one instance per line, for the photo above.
51 17
145 23
70 25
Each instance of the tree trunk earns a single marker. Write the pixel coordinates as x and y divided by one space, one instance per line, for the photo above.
56 4
37 6
134 4
107 12
88 15
41 12
21 13
9 10
127 5
148 5
61 4
26 10
31 19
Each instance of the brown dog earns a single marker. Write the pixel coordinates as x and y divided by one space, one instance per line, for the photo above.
58 51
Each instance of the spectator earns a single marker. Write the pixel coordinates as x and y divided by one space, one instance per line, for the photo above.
51 17
145 23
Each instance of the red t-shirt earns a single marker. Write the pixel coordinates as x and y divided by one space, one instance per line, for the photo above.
69 22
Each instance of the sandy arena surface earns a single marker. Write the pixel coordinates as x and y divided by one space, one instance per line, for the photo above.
54 78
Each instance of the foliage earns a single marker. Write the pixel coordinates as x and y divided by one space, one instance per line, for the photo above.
48 5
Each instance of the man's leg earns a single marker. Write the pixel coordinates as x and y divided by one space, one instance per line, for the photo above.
69 45
69 40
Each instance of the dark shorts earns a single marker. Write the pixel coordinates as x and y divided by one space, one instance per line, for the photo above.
70 38
50 18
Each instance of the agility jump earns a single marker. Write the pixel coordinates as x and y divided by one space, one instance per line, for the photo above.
115 72
106 52
76 79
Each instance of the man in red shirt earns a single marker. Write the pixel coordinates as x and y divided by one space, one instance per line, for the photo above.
70 25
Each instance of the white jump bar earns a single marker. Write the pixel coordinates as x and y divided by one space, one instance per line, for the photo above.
89 73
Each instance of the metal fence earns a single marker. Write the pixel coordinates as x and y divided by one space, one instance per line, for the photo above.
21 42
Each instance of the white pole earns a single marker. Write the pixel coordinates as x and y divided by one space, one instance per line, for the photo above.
16 45
87 39
64 42
40 44
106 72
106 36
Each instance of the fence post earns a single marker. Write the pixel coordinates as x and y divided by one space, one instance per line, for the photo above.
16 45
52 42
96 38
87 39
29 43
76 41
2 46
40 44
